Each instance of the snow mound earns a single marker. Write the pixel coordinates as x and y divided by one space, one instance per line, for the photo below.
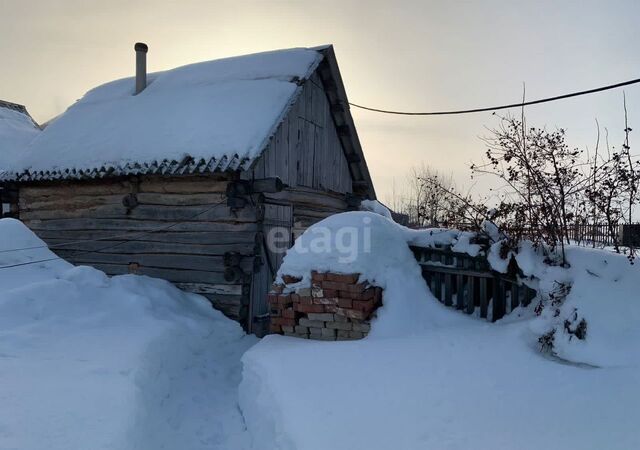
19 245
375 247
213 109
376 207
128 362
16 131
425 369
604 293
604 285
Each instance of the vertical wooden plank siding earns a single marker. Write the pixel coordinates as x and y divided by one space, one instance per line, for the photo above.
306 154
306 150
276 217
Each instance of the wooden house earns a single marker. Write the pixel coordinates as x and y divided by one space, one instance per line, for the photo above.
183 174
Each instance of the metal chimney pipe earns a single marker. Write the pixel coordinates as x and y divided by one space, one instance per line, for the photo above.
141 66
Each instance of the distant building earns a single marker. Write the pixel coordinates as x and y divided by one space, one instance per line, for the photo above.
17 129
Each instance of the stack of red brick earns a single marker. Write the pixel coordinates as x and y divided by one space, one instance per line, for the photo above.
335 307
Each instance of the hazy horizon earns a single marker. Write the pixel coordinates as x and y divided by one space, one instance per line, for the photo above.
415 56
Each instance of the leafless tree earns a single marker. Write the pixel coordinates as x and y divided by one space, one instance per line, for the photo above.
431 199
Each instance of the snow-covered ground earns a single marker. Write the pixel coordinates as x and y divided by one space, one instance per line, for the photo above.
429 377
129 362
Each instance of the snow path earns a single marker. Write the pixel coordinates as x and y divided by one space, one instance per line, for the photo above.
190 400
107 368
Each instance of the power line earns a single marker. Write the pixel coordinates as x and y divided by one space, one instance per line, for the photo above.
109 247
65 244
495 108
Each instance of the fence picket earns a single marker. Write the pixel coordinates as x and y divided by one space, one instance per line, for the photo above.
460 291
498 305
447 289
484 301
471 294
515 299
472 282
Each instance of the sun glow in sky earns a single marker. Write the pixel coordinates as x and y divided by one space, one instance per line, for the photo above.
408 55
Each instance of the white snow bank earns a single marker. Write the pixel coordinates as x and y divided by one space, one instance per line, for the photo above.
129 362
13 274
477 386
217 108
605 292
432 377
16 131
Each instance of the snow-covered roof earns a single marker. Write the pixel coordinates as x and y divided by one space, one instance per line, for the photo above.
205 117
17 130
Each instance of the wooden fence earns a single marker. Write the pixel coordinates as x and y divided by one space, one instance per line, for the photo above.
468 283
591 233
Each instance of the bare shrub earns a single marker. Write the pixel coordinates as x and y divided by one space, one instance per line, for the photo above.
549 188
432 199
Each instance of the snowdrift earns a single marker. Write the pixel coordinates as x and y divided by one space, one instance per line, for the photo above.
88 361
605 292
431 377
375 247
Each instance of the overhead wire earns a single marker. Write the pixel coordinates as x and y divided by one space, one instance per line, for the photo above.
367 108
499 107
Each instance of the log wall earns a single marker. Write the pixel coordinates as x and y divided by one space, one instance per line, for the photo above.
166 235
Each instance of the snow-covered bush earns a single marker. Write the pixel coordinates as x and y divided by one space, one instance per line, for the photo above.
590 312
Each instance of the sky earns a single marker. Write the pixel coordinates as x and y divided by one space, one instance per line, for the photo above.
403 55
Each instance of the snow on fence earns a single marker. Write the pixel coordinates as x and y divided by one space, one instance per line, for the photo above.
469 284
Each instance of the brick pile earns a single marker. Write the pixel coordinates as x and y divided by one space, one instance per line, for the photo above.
335 307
